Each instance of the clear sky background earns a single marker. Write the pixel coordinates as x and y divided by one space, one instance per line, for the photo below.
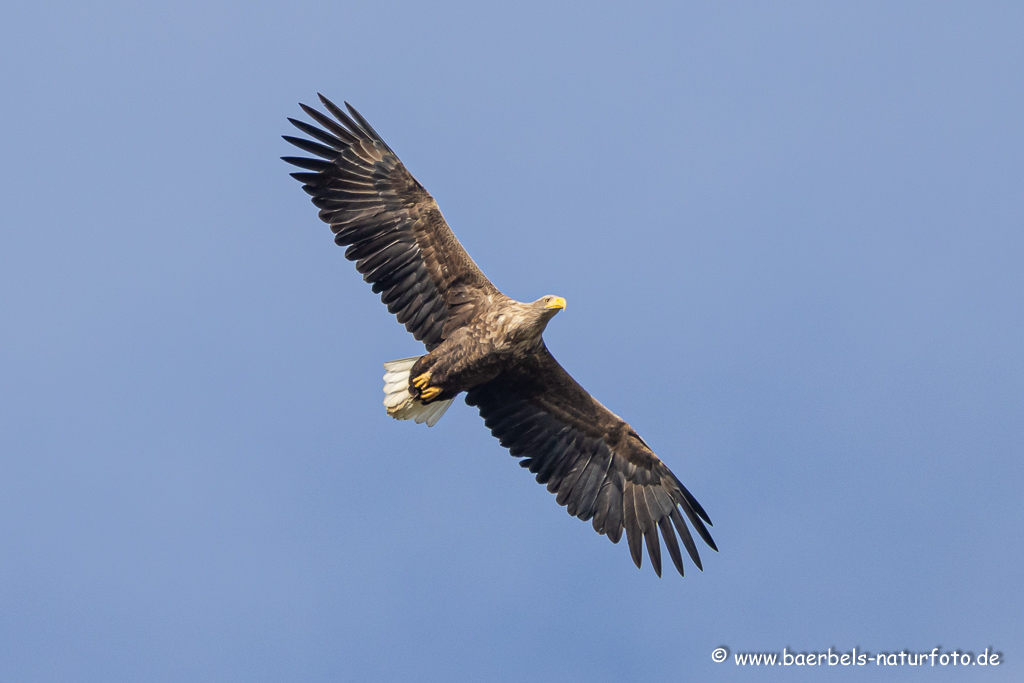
790 237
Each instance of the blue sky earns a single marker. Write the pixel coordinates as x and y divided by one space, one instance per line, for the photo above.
790 237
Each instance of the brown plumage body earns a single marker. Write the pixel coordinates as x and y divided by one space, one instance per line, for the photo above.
486 345
497 338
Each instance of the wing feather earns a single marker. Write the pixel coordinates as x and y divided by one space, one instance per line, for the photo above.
632 524
671 543
646 516
392 227
593 461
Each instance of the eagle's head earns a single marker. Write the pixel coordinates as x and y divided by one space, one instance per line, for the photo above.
551 303
529 320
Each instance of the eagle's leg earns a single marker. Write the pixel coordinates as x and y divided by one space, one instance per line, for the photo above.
456 365
421 383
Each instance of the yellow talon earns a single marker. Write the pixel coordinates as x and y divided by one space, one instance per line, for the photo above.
428 394
421 381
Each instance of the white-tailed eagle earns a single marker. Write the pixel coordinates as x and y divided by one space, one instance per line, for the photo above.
483 343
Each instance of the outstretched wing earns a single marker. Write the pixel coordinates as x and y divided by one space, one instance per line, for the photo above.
598 466
392 227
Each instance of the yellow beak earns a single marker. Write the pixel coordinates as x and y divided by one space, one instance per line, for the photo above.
558 303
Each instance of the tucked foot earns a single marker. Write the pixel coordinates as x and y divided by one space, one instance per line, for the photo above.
421 381
429 393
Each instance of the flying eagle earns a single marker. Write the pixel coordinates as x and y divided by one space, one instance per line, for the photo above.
481 342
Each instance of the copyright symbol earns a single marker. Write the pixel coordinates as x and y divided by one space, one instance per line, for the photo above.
719 654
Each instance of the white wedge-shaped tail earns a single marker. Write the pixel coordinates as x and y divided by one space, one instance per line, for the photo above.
400 403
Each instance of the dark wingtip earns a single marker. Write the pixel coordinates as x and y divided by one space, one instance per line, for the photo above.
326 102
365 125
314 165
711 542
638 559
